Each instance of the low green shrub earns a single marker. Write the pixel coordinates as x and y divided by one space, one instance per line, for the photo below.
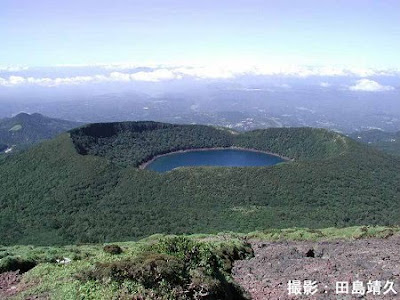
112 249
175 268
148 269
11 263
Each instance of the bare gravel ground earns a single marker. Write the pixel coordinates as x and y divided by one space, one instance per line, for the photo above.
266 276
9 283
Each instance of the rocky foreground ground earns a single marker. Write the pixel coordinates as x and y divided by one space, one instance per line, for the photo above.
266 276
8 283
367 267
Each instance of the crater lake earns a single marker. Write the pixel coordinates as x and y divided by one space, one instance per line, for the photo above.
212 157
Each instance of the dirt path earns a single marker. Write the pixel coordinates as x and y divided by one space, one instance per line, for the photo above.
266 275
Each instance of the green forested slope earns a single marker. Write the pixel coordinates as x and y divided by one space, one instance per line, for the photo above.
52 194
386 141
25 129
131 143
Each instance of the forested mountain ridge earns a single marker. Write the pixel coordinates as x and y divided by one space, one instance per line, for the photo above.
52 194
132 143
25 129
383 140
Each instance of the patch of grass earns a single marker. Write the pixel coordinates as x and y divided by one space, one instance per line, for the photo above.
16 127
162 267
331 233
247 210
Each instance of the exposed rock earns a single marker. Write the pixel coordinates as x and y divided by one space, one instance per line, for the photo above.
266 275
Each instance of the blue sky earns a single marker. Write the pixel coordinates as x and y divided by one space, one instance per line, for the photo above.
323 32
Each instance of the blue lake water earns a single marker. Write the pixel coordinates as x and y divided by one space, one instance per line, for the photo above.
222 158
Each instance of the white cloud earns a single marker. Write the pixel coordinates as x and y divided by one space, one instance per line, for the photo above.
118 76
3 81
12 68
152 76
208 72
370 86
50 82
157 72
232 68
14 80
66 80
130 66
157 75
325 84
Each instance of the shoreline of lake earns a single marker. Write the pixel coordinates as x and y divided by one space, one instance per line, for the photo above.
144 165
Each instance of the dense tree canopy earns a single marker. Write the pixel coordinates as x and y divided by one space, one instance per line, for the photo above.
386 141
53 194
132 143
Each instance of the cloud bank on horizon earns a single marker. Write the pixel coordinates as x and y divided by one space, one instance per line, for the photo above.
11 76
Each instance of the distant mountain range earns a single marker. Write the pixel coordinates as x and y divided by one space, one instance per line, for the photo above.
25 129
383 140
